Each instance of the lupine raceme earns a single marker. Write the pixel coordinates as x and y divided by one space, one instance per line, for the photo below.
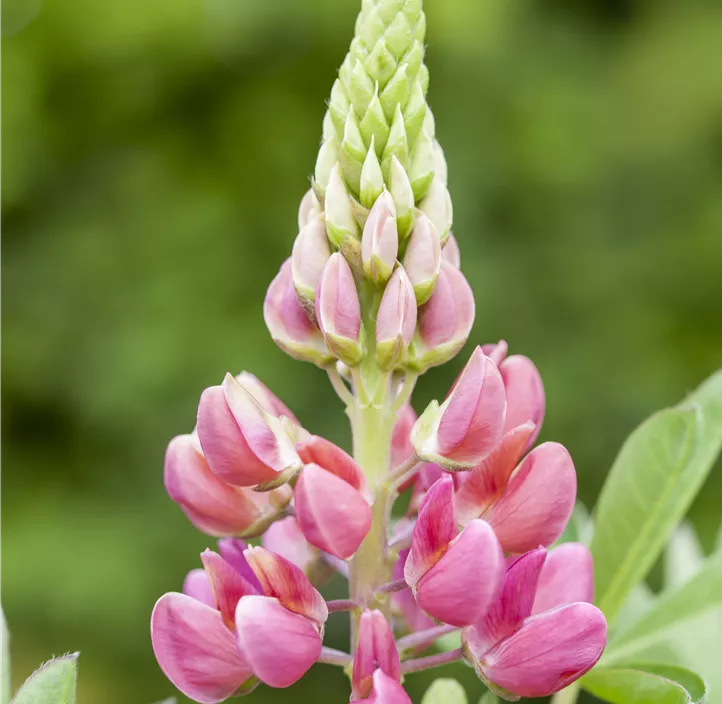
373 293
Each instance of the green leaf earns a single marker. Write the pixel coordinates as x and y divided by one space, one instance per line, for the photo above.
646 683
683 557
5 688
655 477
51 683
445 691
703 593
579 528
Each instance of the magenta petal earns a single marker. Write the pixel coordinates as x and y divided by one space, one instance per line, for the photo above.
280 646
549 651
513 604
224 445
567 577
435 528
232 551
281 579
404 601
525 400
197 585
227 584
286 539
195 650
387 690
333 515
376 650
317 450
459 588
538 502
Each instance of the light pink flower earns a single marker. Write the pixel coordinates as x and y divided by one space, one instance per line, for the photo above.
376 650
380 240
422 260
396 320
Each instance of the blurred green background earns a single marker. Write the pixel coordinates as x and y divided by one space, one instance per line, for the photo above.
154 157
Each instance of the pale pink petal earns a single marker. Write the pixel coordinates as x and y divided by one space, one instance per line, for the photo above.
422 259
434 530
311 251
538 502
270 402
568 576
281 579
396 318
333 515
450 252
380 239
196 584
525 399
387 690
195 650
460 587
280 646
401 447
496 351
338 309
318 450
227 584
285 538
376 649
404 602
549 651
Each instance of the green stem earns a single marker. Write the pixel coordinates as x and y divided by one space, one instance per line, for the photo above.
568 695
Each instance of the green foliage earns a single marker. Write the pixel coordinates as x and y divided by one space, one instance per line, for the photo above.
52 683
489 698
445 691
646 683
650 487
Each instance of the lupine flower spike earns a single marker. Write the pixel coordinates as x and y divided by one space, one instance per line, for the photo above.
373 294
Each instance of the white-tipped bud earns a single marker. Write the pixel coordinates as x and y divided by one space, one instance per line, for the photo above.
340 221
423 258
437 205
311 251
380 240
308 209
440 168
421 171
372 180
403 195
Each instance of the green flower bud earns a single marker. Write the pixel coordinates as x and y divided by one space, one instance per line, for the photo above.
327 159
438 207
340 221
374 126
421 171
372 180
403 195
397 144
396 92
381 64
440 164
338 106
415 111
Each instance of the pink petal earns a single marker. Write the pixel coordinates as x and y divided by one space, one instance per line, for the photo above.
213 506
333 515
549 652
538 502
525 400
401 447
338 309
459 588
195 650
311 251
380 239
318 450
405 601
196 584
568 576
450 252
376 650
473 416
496 351
226 583
512 606
387 690
281 579
286 539
487 481
224 444
434 530
422 260
268 400
232 551
396 316
280 646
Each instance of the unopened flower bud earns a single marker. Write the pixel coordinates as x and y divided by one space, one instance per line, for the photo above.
311 251
376 650
421 171
445 320
374 126
398 144
450 252
422 260
468 425
522 653
289 324
440 161
396 320
244 444
380 241
308 209
454 577
338 310
327 158
340 221
437 205
372 180
403 195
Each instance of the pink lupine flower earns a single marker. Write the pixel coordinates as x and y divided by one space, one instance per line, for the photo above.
193 641
387 690
380 240
289 324
268 400
401 447
311 251
338 310
279 632
376 650
468 425
404 602
567 576
315 449
450 252
333 514
454 576
243 443
422 260
445 320
529 654
212 505
286 539
197 585
525 398
529 503
396 320
426 476
233 551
